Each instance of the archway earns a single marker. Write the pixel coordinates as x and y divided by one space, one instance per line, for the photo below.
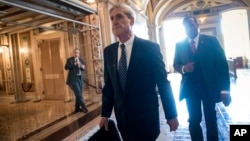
173 32
235 30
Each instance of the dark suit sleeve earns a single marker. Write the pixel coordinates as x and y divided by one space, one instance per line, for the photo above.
107 91
177 60
82 62
163 84
69 64
221 66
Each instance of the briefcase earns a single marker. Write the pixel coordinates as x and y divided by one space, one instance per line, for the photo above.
102 135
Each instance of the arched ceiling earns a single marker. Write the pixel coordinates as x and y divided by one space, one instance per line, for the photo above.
162 9
198 4
22 14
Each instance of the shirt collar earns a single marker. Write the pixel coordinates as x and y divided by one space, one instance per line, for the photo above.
196 39
129 42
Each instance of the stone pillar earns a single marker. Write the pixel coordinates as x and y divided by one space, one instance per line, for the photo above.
91 43
19 94
105 25
157 35
153 31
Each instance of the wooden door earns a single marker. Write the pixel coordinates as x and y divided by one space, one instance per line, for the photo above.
52 69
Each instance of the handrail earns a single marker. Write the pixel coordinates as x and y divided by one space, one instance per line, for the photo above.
93 86
29 87
86 80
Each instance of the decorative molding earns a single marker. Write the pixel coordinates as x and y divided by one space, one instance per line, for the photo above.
97 55
194 10
208 31
4 40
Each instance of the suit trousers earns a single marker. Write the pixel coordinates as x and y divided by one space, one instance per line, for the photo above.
77 88
197 102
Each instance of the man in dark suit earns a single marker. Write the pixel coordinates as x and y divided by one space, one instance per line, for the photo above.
134 99
75 66
205 78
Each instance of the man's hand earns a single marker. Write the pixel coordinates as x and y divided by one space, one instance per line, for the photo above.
173 124
189 67
226 99
82 66
104 122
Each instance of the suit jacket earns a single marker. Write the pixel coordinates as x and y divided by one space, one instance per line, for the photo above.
136 110
214 67
73 70
102 135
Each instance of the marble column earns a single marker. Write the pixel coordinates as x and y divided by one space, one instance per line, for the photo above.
16 67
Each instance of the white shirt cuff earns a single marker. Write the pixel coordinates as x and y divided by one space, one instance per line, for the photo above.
182 69
225 92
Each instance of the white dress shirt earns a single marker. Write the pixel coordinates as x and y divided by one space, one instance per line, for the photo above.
128 49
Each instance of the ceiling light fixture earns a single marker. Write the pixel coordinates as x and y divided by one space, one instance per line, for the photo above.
90 1
202 19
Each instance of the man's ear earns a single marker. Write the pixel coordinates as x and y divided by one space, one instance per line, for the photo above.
132 21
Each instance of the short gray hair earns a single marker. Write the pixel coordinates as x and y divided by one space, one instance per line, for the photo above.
128 10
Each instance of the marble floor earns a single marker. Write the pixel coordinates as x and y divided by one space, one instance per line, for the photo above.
18 120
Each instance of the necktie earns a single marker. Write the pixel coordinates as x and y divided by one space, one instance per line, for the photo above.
122 68
192 44
79 69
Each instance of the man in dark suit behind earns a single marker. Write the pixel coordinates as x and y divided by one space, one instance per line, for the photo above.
75 66
205 78
135 103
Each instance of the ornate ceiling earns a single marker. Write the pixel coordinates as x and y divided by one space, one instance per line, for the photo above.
162 9
22 14
199 4
185 5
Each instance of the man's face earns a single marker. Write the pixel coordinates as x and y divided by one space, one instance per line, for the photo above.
121 24
191 28
76 53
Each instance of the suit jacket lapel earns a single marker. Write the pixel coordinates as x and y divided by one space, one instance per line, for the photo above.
134 60
202 51
115 58
185 51
200 43
202 46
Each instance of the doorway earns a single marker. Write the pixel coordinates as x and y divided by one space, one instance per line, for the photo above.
235 29
174 32
6 79
52 69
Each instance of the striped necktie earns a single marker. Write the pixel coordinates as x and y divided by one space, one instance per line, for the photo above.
122 68
192 44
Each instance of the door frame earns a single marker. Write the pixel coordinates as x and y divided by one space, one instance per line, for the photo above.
37 55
